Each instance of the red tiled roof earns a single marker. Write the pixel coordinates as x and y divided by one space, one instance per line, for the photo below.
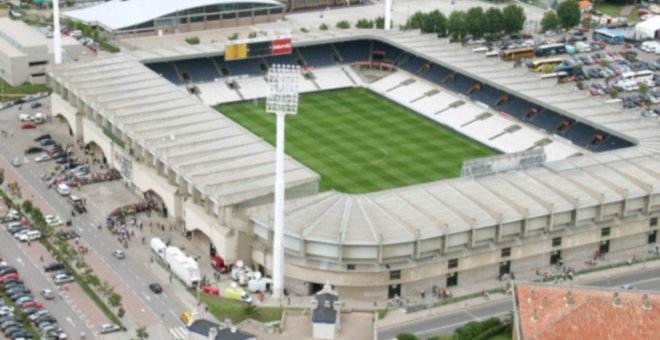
550 312
585 4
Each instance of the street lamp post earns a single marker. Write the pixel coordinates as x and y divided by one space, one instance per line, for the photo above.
282 100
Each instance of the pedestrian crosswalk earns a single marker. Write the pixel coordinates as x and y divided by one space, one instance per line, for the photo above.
179 333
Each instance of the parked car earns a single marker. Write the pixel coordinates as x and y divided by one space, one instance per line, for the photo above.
119 254
42 137
48 294
53 220
16 162
55 266
63 278
33 149
46 142
42 158
26 126
109 328
63 189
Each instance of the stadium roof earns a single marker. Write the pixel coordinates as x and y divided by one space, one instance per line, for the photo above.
545 311
226 162
20 35
452 206
116 15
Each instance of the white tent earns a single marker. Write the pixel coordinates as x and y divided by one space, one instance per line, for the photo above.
648 28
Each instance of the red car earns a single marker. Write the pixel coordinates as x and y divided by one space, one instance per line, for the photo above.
35 304
9 276
28 126
212 290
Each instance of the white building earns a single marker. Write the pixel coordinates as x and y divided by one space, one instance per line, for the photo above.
24 52
649 29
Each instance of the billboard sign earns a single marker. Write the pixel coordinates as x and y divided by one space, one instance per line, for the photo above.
259 47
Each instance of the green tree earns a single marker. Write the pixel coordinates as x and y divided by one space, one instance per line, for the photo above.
364 23
438 22
141 333
475 20
550 21
417 21
114 299
456 25
406 336
344 24
643 89
250 310
514 19
27 206
494 23
569 13
323 27
473 330
379 22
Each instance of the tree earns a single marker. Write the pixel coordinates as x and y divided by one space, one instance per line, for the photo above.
456 25
406 336
643 89
494 23
438 21
344 24
417 21
323 27
114 299
364 23
550 21
475 21
141 333
569 13
250 310
514 19
27 206
379 22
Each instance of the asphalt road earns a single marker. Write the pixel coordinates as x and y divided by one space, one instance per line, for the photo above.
166 306
445 324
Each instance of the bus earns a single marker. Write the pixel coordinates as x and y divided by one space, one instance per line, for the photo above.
612 37
550 50
570 70
518 53
541 65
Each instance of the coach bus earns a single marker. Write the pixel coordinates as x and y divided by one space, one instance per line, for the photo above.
547 65
550 50
518 53
609 36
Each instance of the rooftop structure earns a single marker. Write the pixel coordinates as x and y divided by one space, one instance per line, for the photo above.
544 311
153 16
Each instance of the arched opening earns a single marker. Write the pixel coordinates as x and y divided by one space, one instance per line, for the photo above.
62 120
158 203
95 151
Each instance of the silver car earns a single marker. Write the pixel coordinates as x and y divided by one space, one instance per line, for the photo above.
119 254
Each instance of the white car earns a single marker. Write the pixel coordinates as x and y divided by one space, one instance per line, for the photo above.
63 189
119 254
63 278
53 220
16 162
42 158
109 328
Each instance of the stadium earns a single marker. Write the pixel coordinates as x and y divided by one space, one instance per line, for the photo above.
412 162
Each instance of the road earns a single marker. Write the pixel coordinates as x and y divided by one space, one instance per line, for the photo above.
34 278
648 279
133 271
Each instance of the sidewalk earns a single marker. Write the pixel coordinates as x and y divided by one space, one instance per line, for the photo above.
398 317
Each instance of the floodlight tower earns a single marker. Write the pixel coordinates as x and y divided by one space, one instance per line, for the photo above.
57 37
282 100
388 14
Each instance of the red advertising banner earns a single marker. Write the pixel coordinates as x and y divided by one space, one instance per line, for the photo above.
281 46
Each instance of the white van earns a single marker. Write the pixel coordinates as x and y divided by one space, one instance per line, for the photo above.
30 236
38 118
24 117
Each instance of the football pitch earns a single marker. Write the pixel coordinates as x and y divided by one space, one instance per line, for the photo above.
361 142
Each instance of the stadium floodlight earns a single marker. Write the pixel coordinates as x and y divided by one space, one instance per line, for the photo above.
282 100
57 38
388 14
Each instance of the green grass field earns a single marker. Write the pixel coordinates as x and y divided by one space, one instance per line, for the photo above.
361 142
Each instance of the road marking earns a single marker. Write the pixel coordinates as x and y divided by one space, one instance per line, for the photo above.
70 321
20 261
176 317
179 333
472 315
146 296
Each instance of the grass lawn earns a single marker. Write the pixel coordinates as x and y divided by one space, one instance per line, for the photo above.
234 310
361 142
11 93
611 10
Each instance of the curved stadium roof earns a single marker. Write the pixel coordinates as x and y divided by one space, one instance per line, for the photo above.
116 14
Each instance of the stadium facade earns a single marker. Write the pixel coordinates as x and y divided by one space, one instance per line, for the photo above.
216 179
148 17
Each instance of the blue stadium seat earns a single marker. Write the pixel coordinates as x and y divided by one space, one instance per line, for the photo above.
287 59
240 67
353 51
318 56
436 74
547 120
516 107
612 143
166 70
200 70
488 95
411 63
461 84
392 54
580 134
